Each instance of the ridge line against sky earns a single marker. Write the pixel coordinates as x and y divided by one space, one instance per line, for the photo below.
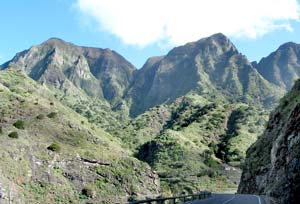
139 29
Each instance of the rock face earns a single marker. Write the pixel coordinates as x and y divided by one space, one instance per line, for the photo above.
272 165
282 67
212 67
97 72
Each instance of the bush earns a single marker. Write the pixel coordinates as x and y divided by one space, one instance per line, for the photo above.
52 115
13 135
54 147
40 116
87 192
19 124
1 131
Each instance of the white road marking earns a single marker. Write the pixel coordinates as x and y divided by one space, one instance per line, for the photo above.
259 201
229 200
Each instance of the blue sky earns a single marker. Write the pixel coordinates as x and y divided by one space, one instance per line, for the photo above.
138 31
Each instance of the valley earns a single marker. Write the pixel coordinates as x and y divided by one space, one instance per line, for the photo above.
81 124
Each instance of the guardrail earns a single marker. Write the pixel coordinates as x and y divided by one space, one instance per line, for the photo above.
174 200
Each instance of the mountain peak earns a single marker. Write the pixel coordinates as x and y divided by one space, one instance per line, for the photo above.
216 44
219 36
282 66
97 72
288 45
55 40
222 40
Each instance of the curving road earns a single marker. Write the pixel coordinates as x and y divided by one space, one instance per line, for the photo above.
230 199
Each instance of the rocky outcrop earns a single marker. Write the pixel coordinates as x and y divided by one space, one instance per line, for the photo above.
272 165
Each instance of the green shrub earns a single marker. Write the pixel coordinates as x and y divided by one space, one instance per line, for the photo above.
54 147
19 124
40 116
1 131
52 115
13 135
87 192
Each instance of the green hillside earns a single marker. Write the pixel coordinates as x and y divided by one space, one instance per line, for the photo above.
51 154
87 125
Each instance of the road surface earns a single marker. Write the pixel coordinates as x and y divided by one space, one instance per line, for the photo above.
230 199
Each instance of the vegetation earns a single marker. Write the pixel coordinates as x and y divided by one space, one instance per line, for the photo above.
87 193
187 131
52 115
82 147
19 124
14 135
54 147
40 116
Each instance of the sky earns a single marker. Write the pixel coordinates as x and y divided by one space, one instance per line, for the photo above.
139 29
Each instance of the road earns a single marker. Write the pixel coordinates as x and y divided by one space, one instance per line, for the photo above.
230 199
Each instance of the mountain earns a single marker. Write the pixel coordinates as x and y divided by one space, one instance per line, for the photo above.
97 72
193 111
51 154
211 67
189 141
272 164
91 81
282 67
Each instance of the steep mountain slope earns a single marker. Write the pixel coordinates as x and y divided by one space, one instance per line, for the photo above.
282 67
197 108
91 81
188 142
272 165
97 72
211 67
51 154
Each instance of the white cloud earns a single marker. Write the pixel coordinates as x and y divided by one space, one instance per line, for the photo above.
142 22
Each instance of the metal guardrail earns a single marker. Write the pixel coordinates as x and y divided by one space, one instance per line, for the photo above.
174 200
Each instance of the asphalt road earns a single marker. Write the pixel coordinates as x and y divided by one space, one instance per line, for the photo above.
230 199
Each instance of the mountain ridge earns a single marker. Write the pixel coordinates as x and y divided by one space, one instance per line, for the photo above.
212 63
92 70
